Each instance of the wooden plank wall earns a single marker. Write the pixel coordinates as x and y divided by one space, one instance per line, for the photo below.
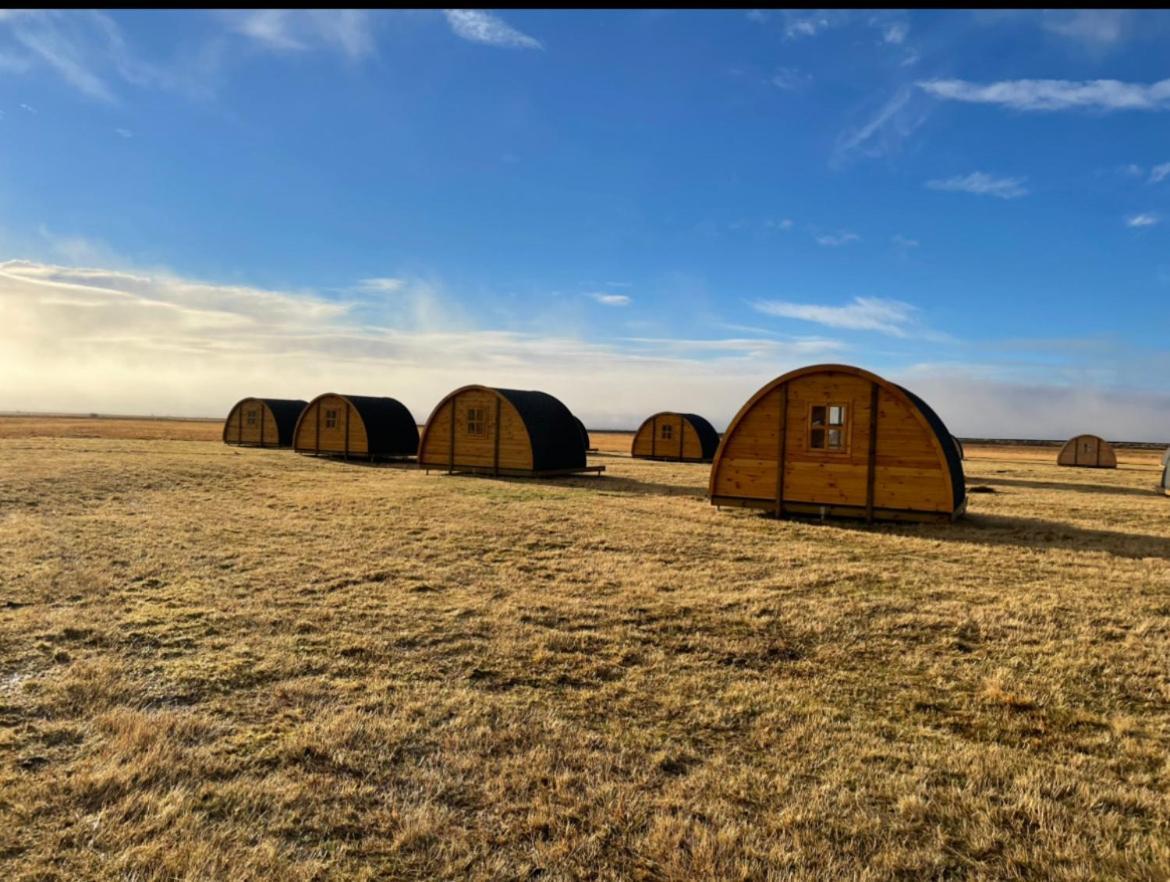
908 466
348 437
682 444
503 428
262 433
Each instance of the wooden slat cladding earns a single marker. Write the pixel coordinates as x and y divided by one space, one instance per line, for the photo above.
502 443
344 434
884 455
667 436
251 424
1087 451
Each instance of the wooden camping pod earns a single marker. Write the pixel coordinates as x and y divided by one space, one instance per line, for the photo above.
834 440
262 422
482 430
1166 472
959 447
356 426
679 437
1087 451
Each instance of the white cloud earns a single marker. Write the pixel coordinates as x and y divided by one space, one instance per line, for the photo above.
381 285
349 31
885 131
611 299
892 317
790 79
810 22
479 26
1097 28
1159 172
1053 95
1145 219
835 240
895 33
982 184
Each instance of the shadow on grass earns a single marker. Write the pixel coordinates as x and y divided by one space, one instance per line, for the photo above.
1064 485
1000 530
601 483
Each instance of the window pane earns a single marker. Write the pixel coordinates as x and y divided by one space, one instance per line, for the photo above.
816 439
836 439
836 415
818 415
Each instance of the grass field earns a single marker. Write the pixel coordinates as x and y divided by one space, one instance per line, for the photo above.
238 664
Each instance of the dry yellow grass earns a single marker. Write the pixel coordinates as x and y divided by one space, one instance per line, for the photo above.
246 664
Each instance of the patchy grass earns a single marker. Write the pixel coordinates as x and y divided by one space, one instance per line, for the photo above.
247 664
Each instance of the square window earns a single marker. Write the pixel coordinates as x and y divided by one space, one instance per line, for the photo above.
331 419
828 427
476 421
667 432
251 418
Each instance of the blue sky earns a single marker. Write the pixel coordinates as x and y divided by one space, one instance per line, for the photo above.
634 211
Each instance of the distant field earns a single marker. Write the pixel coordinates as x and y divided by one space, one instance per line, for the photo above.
240 664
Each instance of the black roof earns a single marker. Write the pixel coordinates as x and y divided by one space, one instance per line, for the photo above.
552 429
390 427
958 482
584 432
708 437
285 411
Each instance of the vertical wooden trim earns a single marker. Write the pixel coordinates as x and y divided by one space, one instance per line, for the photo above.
240 427
318 442
682 422
871 469
782 449
263 420
654 435
347 431
451 451
496 452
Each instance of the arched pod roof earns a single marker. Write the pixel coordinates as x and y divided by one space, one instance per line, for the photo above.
285 411
704 431
584 432
1089 451
553 431
913 471
390 427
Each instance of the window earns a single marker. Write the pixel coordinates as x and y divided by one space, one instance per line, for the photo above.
331 418
828 427
251 416
476 421
667 432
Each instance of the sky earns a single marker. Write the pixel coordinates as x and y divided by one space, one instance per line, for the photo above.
634 211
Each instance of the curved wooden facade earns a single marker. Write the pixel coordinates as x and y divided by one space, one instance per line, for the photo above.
678 437
837 441
359 426
262 422
1088 452
483 430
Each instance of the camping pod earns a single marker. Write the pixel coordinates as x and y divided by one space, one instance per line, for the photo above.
838 441
356 426
1166 472
483 430
1087 451
262 422
680 437
959 447
589 448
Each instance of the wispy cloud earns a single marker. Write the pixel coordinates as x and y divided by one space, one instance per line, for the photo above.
381 285
809 23
891 317
1145 219
982 184
607 299
1096 28
479 26
895 33
885 131
349 31
1054 95
124 133
790 79
901 241
1159 172
835 240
